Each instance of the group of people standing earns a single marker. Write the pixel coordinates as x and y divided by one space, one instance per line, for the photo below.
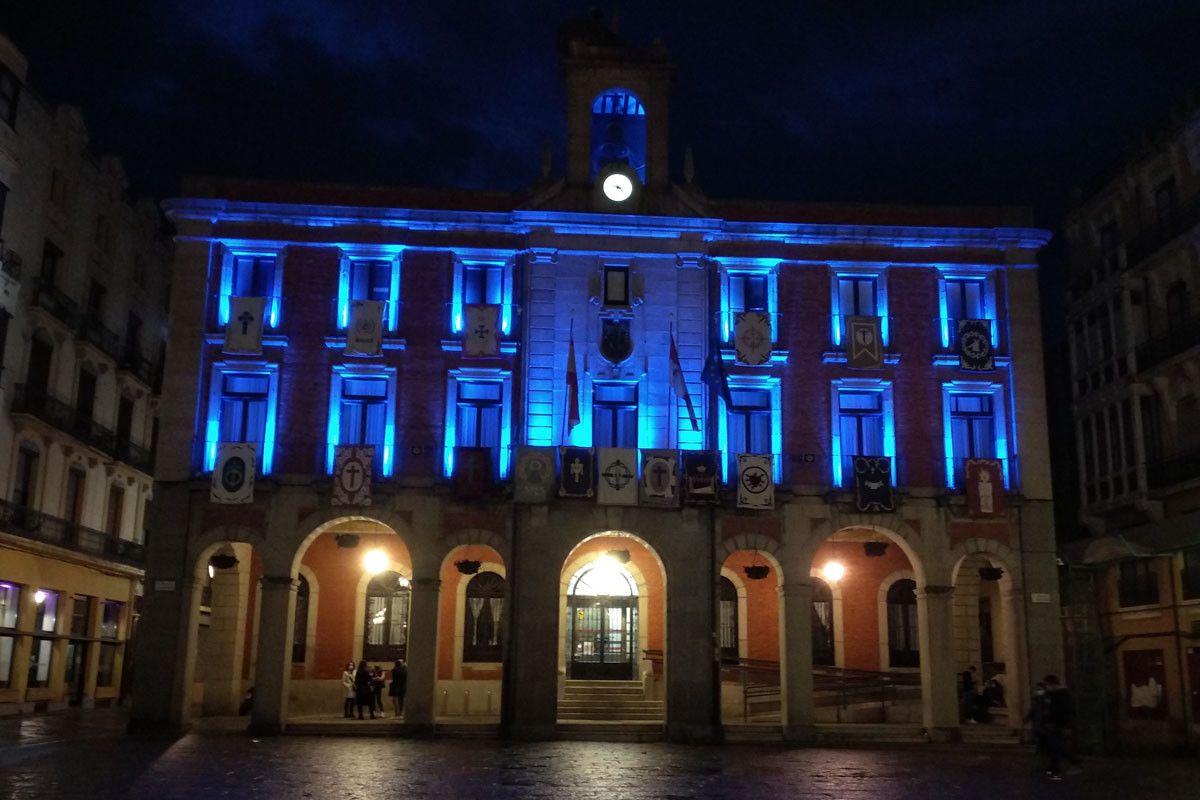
364 686
974 704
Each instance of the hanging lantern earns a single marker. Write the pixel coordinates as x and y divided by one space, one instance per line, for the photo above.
756 572
991 573
467 566
347 540
875 549
223 561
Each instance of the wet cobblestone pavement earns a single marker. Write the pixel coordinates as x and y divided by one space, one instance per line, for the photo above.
86 755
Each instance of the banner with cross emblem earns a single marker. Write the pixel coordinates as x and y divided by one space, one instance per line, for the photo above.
660 477
243 332
364 336
864 345
576 472
352 465
618 483
756 480
233 475
481 330
752 337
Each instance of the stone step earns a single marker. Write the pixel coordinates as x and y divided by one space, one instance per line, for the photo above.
610 732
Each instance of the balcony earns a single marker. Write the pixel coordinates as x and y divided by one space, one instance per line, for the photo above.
58 305
142 368
1164 472
92 331
1175 341
39 527
64 417
1187 214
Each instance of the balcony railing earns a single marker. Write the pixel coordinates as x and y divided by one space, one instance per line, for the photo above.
1179 338
10 262
29 524
50 298
63 416
140 367
1178 468
1185 216
93 331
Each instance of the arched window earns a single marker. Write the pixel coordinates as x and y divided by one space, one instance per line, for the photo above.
903 650
482 627
728 619
300 624
618 132
386 626
822 624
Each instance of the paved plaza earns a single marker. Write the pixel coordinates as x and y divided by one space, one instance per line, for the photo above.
87 755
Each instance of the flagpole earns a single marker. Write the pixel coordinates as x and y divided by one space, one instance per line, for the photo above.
566 420
672 431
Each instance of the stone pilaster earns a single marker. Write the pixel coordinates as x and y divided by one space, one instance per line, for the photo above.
278 605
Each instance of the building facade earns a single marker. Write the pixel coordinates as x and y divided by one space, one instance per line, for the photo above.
625 338
79 264
1135 363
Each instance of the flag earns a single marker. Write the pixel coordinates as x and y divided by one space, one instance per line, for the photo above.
752 337
985 487
243 332
756 480
660 477
481 330
572 400
618 483
233 477
352 465
679 385
364 336
974 340
873 483
864 345
534 475
714 375
575 474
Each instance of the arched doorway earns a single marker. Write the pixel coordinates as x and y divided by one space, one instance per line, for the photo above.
385 624
226 629
472 634
602 622
903 638
823 625
728 628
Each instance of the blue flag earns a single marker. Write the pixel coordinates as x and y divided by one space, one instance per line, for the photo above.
713 373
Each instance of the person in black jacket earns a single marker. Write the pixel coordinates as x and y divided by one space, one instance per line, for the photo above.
1059 719
399 686
363 694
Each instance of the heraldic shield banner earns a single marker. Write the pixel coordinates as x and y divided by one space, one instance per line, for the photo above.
864 345
752 337
975 345
534 475
243 332
233 476
575 477
364 335
756 481
873 483
617 484
352 467
701 477
481 330
660 477
985 487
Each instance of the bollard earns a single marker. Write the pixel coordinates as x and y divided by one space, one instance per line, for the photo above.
445 701
467 703
490 713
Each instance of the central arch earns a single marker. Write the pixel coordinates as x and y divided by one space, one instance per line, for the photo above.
602 622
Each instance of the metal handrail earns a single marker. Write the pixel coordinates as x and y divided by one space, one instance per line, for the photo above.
51 410
34 525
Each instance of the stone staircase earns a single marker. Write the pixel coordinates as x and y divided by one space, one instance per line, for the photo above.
608 701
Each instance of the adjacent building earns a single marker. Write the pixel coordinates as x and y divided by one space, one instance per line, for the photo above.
621 339
83 286
1134 614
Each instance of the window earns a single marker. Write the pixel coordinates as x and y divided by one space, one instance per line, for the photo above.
482 283
110 631
110 619
10 92
81 608
749 424
41 656
483 629
615 415
300 622
124 418
251 274
116 510
1165 202
242 409
25 480
10 599
363 411
616 286
487 282
1189 574
965 297
858 294
386 624
728 620
478 415
133 338
51 259
3 202
1110 242
974 427
747 290
73 496
371 275
822 624
1138 582
37 378
1177 307
618 131
903 650
85 398
860 426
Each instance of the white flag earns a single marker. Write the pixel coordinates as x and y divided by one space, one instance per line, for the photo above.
756 481
233 476
660 477
618 482
481 330
352 466
364 335
243 332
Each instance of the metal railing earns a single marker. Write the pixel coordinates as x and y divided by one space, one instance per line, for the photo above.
50 298
36 526
1174 341
1184 216
843 688
139 366
93 331
63 416
1163 472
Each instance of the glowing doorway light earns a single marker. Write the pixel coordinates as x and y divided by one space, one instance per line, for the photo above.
375 561
833 572
211 572
604 577
39 597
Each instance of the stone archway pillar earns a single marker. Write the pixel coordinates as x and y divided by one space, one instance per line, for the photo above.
693 683
795 650
1016 684
225 645
422 653
939 683
273 670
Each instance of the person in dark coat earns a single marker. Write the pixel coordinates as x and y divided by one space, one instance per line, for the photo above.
1060 718
398 687
363 694
377 684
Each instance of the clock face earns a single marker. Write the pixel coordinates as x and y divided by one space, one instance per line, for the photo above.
618 187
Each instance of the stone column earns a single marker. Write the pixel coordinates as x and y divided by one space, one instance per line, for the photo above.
91 664
693 691
422 653
19 677
795 651
224 651
939 683
1016 683
278 605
